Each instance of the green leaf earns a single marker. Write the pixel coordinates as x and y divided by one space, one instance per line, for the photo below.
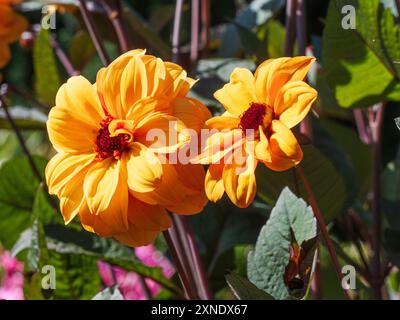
243 289
291 220
47 79
25 119
81 49
326 182
112 293
361 64
18 187
38 253
254 15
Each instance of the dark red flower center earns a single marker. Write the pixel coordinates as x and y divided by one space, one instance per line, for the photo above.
258 114
107 146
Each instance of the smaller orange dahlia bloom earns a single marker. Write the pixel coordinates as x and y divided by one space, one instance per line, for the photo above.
107 170
260 111
12 25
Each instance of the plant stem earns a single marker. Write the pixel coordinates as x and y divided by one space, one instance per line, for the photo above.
321 223
27 96
194 256
290 27
20 139
94 34
205 25
145 289
376 123
194 41
178 265
114 15
63 57
176 31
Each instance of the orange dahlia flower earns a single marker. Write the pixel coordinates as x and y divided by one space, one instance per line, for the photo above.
260 111
107 171
12 25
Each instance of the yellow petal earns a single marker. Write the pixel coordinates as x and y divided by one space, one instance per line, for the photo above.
71 197
213 183
272 75
133 83
178 83
293 102
63 167
146 107
284 148
262 152
191 112
223 122
162 133
144 168
74 122
240 182
237 95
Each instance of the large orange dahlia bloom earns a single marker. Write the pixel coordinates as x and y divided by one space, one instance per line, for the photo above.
12 25
261 109
107 171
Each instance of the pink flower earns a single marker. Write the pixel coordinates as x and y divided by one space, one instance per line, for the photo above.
13 279
129 282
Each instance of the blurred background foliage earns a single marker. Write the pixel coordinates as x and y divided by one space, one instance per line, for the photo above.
355 69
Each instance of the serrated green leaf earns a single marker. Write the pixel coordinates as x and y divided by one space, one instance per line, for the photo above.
361 64
291 217
47 79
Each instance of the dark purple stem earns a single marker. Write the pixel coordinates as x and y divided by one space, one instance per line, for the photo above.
363 131
94 33
194 42
205 25
176 31
290 27
63 57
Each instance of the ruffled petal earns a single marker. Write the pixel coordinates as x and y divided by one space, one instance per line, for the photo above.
136 237
191 112
240 182
74 122
214 184
293 102
237 95
223 122
284 148
144 168
262 151
63 167
272 75
106 192
149 217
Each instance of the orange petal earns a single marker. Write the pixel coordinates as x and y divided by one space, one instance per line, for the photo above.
146 107
214 184
63 167
284 148
237 95
272 75
144 168
146 216
136 237
94 223
293 102
162 133
191 112
177 82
